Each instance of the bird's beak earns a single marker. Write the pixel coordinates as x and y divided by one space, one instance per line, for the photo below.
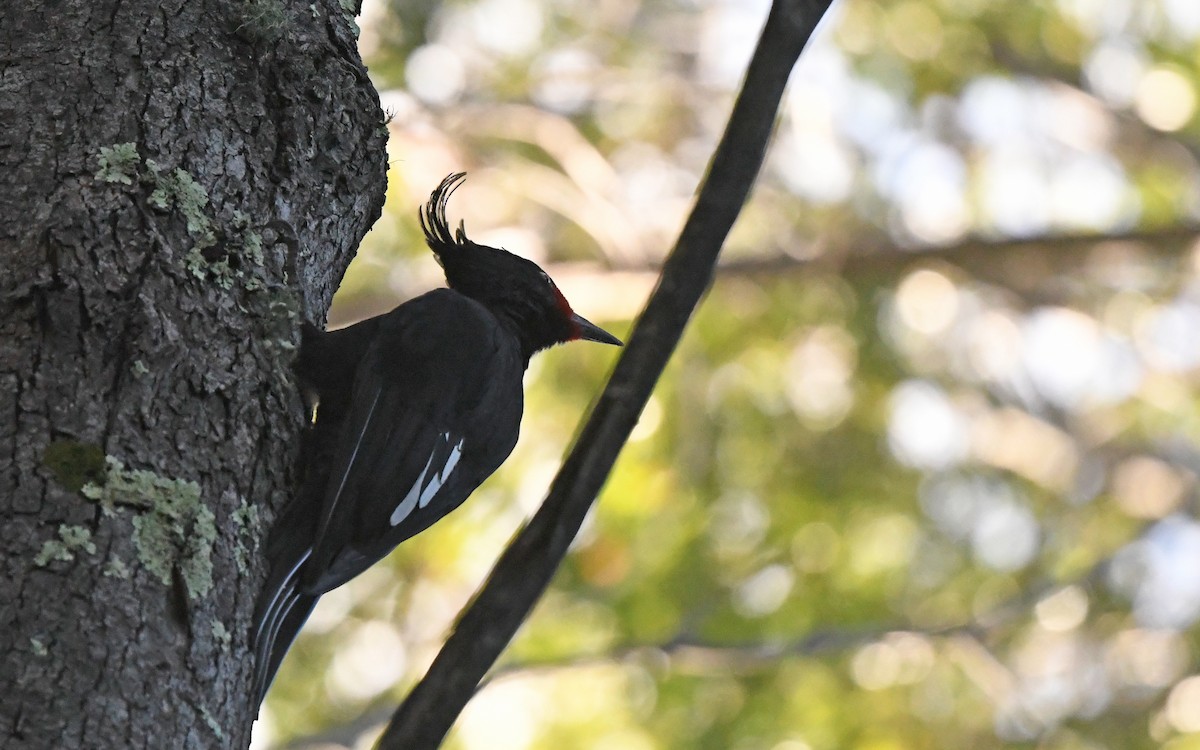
591 332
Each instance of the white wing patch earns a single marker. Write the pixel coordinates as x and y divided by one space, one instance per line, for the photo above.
422 492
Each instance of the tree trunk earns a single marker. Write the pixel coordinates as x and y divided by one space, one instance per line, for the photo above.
180 183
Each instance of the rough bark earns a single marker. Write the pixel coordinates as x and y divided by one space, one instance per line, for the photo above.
149 297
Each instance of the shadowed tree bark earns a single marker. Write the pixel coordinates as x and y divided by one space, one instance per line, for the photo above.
180 183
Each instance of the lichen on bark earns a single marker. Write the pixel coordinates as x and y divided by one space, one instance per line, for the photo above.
173 530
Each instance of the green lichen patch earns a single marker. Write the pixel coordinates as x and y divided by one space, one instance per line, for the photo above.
223 257
71 539
237 257
351 9
226 254
247 518
249 241
173 531
248 522
178 537
38 646
136 487
177 190
115 568
74 464
118 163
220 633
261 20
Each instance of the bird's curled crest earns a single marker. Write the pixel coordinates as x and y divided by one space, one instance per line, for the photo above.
433 219
481 272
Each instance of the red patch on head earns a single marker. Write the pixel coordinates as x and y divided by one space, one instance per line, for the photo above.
565 308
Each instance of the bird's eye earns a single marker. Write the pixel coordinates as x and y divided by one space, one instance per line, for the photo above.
546 278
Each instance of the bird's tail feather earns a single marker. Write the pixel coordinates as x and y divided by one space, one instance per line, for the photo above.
281 613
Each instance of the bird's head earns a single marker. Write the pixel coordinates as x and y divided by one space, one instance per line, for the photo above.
516 290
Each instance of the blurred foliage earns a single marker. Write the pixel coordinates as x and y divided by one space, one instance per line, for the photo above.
923 472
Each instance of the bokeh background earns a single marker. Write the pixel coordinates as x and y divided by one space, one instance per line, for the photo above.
923 473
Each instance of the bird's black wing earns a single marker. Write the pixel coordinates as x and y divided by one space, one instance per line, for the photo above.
435 409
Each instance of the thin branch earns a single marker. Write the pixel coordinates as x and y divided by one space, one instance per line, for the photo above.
708 657
1072 77
862 257
527 565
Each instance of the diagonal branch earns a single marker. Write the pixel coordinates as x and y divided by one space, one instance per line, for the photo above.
526 567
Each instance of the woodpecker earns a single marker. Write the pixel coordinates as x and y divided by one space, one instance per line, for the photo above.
414 409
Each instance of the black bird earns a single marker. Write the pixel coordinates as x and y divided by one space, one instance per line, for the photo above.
415 408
